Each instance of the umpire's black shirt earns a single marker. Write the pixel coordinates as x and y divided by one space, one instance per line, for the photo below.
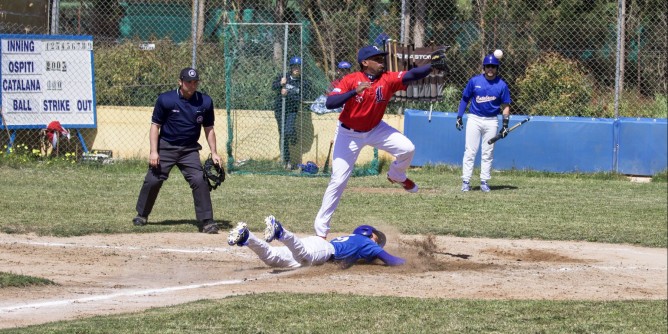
182 120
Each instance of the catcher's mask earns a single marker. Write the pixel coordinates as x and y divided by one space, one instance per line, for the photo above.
214 174
367 230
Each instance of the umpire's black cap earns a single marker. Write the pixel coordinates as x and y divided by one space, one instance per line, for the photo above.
189 74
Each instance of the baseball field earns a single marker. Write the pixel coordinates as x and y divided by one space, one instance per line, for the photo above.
541 253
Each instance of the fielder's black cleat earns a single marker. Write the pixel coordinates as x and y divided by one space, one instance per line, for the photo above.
139 221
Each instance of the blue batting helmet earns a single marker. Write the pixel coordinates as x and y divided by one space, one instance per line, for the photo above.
490 60
344 65
295 61
310 167
367 230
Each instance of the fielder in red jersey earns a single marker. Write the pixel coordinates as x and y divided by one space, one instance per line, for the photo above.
364 96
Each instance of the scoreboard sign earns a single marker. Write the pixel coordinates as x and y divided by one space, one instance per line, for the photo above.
47 78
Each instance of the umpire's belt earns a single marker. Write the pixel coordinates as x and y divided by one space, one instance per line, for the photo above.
348 128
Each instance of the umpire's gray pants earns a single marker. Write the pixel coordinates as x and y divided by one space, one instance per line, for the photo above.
187 159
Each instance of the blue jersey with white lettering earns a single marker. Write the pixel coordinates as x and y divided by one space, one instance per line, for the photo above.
355 247
486 96
181 120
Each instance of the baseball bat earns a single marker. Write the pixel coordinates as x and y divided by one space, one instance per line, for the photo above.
403 93
498 136
385 49
388 58
396 66
329 153
431 106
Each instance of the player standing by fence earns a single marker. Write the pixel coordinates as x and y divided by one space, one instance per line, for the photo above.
290 90
178 117
489 95
364 96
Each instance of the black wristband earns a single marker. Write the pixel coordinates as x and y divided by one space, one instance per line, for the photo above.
505 122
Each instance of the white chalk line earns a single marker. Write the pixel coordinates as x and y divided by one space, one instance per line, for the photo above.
127 293
56 303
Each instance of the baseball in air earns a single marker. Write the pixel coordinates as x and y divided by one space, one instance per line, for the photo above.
498 53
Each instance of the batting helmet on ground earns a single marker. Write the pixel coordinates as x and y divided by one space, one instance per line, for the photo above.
490 60
310 167
367 230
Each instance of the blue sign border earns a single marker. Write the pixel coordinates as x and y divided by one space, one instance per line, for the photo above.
92 71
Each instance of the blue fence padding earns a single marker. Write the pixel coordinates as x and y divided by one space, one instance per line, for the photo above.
643 146
557 144
436 142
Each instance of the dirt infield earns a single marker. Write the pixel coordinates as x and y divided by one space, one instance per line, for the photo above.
109 274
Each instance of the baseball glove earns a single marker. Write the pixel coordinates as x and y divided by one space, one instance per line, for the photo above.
438 60
214 174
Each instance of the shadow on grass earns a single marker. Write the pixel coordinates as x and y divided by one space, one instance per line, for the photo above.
501 187
222 225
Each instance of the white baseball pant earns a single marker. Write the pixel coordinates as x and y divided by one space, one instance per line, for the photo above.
347 146
309 251
476 128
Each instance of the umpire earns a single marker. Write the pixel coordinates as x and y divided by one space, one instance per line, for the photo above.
178 117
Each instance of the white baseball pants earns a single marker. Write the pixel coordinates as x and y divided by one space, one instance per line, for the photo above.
347 146
309 251
478 128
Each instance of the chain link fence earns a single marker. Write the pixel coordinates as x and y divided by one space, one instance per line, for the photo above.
562 58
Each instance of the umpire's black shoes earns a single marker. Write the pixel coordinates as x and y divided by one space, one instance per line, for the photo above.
209 226
139 221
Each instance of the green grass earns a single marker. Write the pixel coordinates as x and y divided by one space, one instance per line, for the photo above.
75 200
331 313
80 200
15 280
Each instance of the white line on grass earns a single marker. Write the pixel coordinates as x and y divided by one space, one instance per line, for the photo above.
115 295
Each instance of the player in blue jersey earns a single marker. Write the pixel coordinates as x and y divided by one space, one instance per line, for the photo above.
178 118
489 96
365 243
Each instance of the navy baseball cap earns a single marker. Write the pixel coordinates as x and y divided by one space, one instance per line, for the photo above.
368 52
189 74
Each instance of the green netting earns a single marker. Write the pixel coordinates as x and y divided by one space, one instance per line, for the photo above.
259 119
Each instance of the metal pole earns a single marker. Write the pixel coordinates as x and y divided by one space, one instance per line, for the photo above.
301 93
403 22
285 75
619 64
194 32
55 17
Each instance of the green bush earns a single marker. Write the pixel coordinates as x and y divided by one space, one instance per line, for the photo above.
125 75
554 86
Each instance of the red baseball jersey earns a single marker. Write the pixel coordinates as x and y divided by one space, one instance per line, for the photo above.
364 111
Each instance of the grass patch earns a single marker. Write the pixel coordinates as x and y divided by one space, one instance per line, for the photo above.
661 177
13 280
332 313
87 199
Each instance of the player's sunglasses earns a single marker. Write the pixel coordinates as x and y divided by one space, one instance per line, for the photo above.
491 66
377 59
